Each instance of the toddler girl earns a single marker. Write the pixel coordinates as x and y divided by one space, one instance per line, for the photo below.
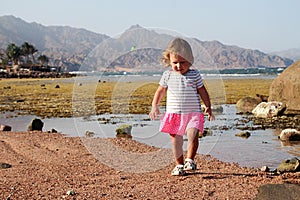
184 88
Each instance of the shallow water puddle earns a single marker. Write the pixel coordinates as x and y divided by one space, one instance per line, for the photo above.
261 148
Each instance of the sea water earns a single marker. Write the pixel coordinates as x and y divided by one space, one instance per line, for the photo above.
261 148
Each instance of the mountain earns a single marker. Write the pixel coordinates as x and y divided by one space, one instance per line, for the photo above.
226 56
293 54
149 44
62 44
137 49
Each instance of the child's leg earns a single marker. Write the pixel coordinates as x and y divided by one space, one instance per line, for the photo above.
193 142
177 142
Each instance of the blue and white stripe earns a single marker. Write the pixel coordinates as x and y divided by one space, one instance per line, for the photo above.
182 95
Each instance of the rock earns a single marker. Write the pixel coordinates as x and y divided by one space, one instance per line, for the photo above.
286 88
124 130
52 130
19 100
265 169
4 165
264 98
244 134
289 134
5 128
278 192
206 132
292 165
71 193
89 134
214 109
217 109
247 104
279 122
36 125
268 109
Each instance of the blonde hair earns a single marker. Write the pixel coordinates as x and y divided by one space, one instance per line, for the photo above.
179 47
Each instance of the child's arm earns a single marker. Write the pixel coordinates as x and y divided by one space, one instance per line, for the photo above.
205 98
160 92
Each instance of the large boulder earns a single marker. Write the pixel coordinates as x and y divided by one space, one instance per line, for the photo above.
278 192
268 109
247 104
286 88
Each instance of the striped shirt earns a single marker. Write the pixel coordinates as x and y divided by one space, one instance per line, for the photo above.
182 95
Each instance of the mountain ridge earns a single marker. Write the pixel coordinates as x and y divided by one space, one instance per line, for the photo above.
77 48
293 53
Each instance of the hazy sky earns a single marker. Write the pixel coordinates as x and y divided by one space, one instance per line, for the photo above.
267 25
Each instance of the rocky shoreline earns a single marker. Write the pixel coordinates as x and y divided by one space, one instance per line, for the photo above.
249 122
34 75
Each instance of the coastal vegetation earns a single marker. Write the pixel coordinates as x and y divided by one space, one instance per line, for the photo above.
67 98
20 61
15 55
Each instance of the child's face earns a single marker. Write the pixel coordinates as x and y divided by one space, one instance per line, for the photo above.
179 64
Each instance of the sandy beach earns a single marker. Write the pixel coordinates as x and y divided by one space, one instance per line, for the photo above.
49 165
52 166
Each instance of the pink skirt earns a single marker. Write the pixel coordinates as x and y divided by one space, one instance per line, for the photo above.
177 124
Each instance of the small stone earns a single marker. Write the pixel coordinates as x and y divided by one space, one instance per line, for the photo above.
289 165
36 125
265 169
70 193
244 134
206 132
5 165
52 130
124 130
5 128
89 134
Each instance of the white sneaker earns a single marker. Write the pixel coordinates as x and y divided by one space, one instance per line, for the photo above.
189 164
178 171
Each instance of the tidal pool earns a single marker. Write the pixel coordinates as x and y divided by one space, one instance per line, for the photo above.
261 148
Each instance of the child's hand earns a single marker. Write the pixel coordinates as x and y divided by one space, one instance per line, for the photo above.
211 116
154 113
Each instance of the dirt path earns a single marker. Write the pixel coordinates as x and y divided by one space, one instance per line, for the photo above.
47 166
